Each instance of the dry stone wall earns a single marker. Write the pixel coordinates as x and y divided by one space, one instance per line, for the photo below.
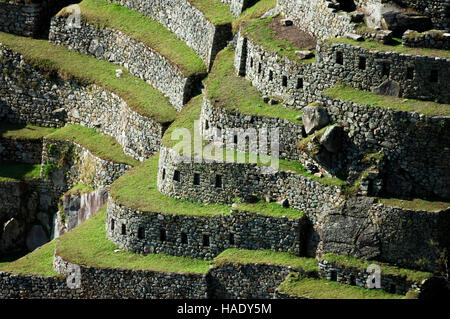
241 180
141 60
437 10
232 123
317 17
201 236
433 39
24 151
187 22
30 96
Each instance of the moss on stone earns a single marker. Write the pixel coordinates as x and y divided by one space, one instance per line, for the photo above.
57 60
299 286
266 257
103 14
386 269
101 145
347 93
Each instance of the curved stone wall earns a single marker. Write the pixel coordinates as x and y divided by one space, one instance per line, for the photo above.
187 22
241 180
290 134
201 236
30 96
317 17
140 60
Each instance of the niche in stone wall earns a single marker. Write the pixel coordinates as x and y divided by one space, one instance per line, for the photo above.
270 75
231 239
339 58
176 176
410 73
352 280
235 138
206 240
218 182
299 83
112 224
259 68
385 69
184 239
362 62
284 81
434 76
124 229
141 232
196 179
251 62
162 235
164 174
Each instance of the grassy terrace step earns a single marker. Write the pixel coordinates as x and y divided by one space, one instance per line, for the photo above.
346 93
255 11
397 47
140 96
236 94
103 14
386 269
87 245
259 31
13 171
23 131
214 10
299 286
415 204
267 257
39 262
191 112
101 145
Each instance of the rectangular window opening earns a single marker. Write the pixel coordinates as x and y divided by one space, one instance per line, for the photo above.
141 233
434 76
410 73
176 176
112 224
162 235
299 83
206 240
284 81
386 69
339 58
124 229
270 75
184 239
362 63
218 181
196 179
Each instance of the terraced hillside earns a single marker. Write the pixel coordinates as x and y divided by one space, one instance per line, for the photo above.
224 149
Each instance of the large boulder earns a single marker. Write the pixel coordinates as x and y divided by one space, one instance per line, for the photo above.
388 87
36 237
399 22
332 139
314 118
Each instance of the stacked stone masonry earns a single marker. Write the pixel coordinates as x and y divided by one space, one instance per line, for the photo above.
433 39
241 180
317 18
140 60
29 95
187 22
201 236
232 126
24 151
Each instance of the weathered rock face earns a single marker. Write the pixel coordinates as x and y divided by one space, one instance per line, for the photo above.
36 237
332 138
365 229
314 118
399 22
77 208
388 87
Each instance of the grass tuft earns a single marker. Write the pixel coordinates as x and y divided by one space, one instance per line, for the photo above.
13 171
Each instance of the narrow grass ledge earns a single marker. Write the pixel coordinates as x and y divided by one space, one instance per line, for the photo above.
255 11
415 204
347 93
13 171
236 94
302 287
23 131
101 145
386 269
87 245
266 257
57 60
103 14
372 45
39 262
214 10
259 31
